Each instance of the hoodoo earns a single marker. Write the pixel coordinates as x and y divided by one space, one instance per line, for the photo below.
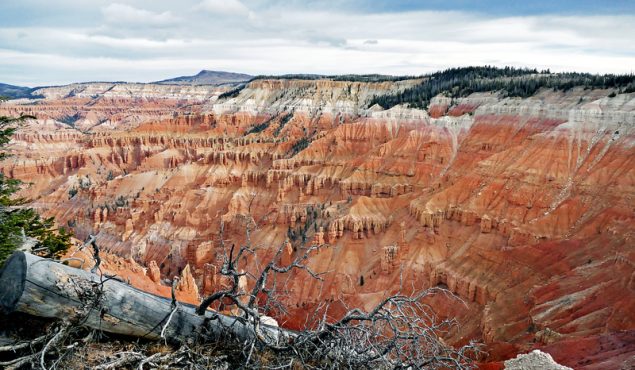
510 190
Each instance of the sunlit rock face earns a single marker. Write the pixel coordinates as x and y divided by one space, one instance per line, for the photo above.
524 208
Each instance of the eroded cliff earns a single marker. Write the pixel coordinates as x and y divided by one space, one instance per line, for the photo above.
524 208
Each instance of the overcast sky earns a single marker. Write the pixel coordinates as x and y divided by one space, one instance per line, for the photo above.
45 42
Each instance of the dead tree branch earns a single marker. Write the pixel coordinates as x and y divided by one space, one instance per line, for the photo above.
401 331
175 306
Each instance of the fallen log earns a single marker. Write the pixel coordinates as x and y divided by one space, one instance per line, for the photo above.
45 288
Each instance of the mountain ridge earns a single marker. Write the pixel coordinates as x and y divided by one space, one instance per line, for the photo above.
14 92
207 77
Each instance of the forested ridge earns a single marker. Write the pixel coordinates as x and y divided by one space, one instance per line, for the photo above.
508 81
463 81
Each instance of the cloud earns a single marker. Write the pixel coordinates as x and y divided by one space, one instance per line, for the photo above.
121 41
117 13
225 7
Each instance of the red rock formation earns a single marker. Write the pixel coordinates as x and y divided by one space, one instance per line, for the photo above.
521 207
153 272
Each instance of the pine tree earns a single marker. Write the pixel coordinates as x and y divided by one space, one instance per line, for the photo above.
18 221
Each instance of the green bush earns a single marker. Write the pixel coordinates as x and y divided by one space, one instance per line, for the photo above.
17 220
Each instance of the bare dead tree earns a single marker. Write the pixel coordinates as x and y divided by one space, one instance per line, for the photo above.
67 339
401 331
54 341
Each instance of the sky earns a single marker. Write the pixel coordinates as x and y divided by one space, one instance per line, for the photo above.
51 42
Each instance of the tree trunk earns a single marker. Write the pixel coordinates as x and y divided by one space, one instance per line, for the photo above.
45 288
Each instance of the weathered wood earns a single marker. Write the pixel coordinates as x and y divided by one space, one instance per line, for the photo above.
45 288
12 279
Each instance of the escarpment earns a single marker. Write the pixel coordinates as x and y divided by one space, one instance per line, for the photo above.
308 96
522 207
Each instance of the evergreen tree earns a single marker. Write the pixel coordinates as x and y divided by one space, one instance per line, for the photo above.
508 82
18 221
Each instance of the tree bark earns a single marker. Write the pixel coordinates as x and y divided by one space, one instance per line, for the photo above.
45 288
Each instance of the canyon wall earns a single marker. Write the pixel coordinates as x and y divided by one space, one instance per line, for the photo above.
523 208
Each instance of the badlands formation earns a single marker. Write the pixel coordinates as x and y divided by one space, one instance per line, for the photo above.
523 208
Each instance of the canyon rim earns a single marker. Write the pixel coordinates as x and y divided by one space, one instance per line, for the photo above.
509 189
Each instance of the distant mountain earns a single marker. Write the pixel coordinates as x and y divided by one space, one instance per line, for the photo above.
206 77
15 92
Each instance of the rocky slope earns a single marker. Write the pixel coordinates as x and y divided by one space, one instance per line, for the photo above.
524 208
98 106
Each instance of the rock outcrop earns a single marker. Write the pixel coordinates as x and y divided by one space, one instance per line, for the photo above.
536 360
